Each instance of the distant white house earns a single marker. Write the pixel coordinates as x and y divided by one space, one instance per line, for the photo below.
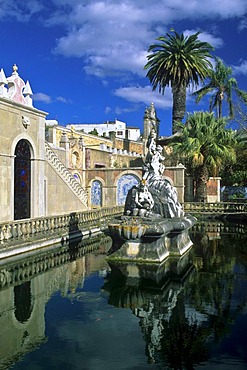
121 130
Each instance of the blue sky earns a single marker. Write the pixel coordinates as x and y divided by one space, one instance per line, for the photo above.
84 59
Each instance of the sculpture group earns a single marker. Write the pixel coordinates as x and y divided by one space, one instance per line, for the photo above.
154 196
153 225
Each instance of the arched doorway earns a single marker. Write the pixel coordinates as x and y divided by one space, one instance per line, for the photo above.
22 180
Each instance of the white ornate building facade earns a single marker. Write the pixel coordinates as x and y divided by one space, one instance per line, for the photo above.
47 169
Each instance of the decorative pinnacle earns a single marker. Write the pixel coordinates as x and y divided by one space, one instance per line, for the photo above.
15 68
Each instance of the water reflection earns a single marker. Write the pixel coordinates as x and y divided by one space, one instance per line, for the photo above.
190 311
23 301
27 285
69 308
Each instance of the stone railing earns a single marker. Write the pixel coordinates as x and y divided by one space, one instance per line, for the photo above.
23 269
222 207
220 228
93 219
65 174
62 225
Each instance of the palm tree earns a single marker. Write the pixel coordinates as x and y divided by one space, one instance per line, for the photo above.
236 173
178 61
221 84
205 145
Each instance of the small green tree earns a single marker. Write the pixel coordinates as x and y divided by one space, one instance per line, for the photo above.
94 132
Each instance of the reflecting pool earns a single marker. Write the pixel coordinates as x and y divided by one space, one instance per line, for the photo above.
68 308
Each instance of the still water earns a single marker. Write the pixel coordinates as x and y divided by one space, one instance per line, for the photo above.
68 308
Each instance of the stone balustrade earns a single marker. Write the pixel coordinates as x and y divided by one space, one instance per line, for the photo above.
65 174
31 228
60 224
219 228
222 207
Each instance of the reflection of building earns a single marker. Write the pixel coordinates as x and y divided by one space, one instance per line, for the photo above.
43 165
27 285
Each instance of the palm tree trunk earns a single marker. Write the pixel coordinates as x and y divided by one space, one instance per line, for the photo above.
179 105
201 184
220 100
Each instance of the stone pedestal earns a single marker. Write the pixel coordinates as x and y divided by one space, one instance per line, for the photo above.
151 250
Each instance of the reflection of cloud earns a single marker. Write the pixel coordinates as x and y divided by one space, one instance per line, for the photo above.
107 338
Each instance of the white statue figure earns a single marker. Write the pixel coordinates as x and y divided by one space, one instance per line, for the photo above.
164 194
143 200
156 161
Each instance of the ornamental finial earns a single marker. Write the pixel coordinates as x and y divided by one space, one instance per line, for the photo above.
15 68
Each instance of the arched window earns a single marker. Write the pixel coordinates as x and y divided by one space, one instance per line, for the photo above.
96 193
124 184
22 180
75 159
77 177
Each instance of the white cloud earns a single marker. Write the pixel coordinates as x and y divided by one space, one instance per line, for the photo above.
112 37
119 110
145 95
61 99
241 69
242 24
108 110
205 36
20 10
42 97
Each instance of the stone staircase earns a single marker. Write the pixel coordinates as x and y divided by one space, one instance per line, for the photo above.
65 174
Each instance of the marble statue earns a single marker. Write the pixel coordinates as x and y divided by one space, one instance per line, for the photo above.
164 196
153 225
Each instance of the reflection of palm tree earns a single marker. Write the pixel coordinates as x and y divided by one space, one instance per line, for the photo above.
183 341
212 287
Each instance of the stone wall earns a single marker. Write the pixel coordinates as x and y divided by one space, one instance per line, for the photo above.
13 118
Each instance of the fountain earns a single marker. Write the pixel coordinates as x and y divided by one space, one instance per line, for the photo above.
153 226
